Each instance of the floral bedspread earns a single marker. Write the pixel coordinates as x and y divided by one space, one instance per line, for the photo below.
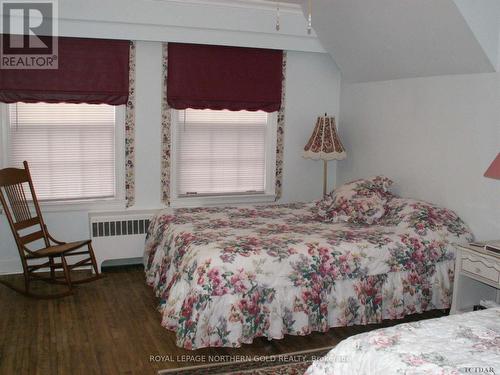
459 344
227 275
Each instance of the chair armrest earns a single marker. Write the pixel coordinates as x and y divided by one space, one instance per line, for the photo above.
52 238
31 252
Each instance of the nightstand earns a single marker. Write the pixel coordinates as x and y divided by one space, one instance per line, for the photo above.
477 277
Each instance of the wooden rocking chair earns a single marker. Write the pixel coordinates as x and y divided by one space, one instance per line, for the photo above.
21 219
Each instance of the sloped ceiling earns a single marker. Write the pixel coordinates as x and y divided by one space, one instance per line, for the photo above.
392 39
483 17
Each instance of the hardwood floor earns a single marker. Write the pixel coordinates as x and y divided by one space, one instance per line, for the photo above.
111 326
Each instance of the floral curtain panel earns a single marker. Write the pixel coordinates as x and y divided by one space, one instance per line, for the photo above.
130 133
280 137
165 132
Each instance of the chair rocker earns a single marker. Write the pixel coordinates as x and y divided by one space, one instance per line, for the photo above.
21 218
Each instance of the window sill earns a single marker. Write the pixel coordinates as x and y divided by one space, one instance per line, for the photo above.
221 200
83 205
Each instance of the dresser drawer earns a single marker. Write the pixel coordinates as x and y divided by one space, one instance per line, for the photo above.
480 267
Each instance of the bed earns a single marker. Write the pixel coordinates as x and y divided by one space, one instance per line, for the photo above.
456 344
227 275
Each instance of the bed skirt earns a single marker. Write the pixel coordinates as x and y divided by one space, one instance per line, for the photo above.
230 320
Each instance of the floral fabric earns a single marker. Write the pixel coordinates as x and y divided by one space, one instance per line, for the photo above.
280 136
165 132
457 344
227 275
130 133
359 201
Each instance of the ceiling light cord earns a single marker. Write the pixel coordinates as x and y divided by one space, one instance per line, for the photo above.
309 18
277 16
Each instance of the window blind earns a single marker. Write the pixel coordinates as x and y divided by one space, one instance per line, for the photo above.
70 148
220 152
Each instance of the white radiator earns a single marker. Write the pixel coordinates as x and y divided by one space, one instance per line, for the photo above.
118 235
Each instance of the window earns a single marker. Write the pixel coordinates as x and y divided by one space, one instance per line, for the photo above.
223 153
71 148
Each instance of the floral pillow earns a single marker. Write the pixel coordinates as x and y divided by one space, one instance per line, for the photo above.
359 201
422 217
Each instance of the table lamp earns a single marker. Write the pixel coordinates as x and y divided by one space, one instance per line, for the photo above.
324 144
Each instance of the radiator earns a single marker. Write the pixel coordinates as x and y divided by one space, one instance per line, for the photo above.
119 235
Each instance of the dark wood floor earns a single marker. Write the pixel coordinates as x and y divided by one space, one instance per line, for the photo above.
111 326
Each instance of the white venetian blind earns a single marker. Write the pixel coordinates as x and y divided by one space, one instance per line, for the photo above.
220 152
70 148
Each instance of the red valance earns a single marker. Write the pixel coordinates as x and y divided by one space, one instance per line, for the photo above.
91 71
218 77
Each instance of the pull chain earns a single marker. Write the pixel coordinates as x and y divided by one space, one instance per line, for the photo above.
309 18
17 118
277 16
184 125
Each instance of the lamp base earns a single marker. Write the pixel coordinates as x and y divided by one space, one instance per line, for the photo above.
325 176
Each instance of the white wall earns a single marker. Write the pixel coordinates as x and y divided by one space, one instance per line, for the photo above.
434 136
148 130
312 88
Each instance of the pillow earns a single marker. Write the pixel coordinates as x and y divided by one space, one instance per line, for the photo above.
380 184
423 217
359 201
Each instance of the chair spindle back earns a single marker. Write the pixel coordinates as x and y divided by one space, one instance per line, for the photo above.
17 208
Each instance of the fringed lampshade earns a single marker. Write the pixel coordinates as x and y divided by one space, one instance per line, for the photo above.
325 144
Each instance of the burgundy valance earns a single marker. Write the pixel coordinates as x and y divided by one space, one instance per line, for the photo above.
94 71
218 77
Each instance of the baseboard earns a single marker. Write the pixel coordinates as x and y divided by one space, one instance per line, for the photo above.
10 266
123 262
